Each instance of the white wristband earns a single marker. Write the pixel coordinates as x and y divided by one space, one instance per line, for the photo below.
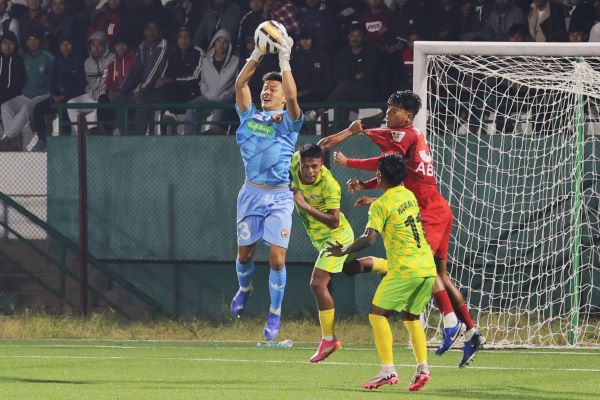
284 65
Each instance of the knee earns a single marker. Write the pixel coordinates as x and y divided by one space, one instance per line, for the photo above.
277 262
244 257
277 257
317 285
448 283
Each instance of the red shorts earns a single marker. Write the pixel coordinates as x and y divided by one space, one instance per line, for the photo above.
436 217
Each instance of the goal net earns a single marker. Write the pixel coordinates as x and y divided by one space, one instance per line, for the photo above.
515 134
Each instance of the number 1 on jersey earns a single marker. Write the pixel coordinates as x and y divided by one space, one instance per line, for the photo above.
410 221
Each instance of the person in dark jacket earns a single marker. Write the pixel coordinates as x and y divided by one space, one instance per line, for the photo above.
185 13
12 69
503 17
546 22
249 23
312 70
32 21
318 18
142 14
355 71
17 112
220 14
61 24
68 81
149 65
181 81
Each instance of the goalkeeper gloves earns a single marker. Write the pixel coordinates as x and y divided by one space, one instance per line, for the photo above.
256 55
285 53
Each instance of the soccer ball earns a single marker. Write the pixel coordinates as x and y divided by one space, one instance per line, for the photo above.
267 34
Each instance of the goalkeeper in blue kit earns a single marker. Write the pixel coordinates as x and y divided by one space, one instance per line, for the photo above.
267 141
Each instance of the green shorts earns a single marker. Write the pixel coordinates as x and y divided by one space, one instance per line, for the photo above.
333 265
404 294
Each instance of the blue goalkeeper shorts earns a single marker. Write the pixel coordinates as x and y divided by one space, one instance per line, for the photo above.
264 214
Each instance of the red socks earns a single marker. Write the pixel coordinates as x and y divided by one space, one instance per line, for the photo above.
464 316
442 301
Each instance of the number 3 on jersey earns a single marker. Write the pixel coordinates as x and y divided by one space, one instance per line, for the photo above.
243 231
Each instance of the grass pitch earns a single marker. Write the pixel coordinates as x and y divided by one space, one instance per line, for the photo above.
89 369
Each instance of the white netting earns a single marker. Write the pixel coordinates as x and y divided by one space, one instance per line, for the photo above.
504 134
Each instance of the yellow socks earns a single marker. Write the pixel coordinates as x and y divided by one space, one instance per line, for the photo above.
417 339
380 265
383 338
326 319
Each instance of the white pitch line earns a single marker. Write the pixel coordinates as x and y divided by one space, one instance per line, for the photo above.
337 363
204 346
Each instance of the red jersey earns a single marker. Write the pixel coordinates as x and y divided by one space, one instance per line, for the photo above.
410 143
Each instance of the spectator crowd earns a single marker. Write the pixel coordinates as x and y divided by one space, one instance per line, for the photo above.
190 51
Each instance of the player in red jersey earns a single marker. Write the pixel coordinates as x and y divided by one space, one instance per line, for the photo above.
401 137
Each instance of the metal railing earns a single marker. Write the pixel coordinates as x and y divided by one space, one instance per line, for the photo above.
320 118
56 253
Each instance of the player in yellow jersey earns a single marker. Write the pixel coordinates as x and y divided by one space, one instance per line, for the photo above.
318 195
407 286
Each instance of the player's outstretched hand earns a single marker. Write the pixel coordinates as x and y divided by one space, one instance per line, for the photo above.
256 55
284 49
356 127
354 185
334 250
364 201
340 159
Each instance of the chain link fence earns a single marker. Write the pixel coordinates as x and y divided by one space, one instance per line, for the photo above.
161 215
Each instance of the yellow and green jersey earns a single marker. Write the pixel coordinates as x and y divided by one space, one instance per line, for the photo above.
325 194
395 215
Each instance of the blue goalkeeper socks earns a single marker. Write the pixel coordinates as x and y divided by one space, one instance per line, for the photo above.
277 281
244 274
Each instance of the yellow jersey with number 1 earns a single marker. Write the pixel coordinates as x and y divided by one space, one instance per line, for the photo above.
395 215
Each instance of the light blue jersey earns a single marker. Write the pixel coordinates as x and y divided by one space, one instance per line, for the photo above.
267 141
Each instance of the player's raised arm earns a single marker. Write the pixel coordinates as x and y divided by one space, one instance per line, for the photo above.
329 142
243 97
368 164
288 82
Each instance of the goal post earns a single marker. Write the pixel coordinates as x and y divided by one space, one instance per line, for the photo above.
515 135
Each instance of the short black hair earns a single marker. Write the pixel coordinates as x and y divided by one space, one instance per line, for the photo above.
155 22
272 76
406 99
355 26
392 168
310 150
